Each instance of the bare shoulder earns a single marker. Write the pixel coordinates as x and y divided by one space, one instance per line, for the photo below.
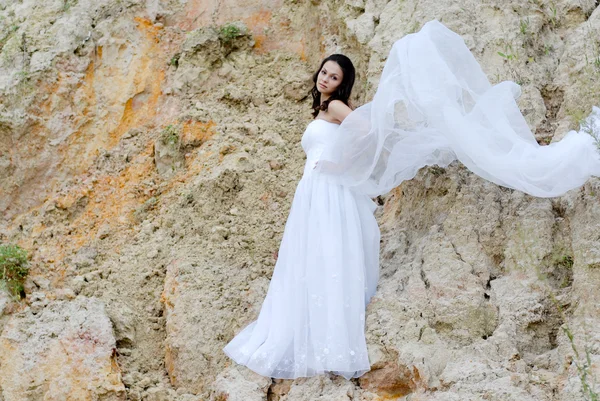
338 109
338 105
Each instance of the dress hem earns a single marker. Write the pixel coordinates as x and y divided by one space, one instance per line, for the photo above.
346 374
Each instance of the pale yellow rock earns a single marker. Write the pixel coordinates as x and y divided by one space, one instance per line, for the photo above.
66 351
472 274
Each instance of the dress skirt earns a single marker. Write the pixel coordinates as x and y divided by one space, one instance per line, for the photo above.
313 317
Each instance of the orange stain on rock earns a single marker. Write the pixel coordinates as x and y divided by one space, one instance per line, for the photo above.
142 107
257 23
195 131
322 44
88 85
391 381
302 51
259 19
259 41
112 199
151 30
110 202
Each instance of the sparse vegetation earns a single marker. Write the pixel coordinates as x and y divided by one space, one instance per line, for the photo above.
583 365
558 261
175 60
562 265
13 268
524 26
553 15
561 259
564 261
228 32
548 49
547 8
170 135
509 53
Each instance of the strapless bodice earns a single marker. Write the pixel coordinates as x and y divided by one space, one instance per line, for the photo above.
318 133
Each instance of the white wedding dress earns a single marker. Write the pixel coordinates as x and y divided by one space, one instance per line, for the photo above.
433 105
313 317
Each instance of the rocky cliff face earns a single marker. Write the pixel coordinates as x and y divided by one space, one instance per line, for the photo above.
149 152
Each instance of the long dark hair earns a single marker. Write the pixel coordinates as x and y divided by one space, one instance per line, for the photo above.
343 90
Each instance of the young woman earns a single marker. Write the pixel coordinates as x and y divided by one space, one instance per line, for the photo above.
433 105
312 319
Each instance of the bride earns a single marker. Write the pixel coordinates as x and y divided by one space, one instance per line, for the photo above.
312 319
433 105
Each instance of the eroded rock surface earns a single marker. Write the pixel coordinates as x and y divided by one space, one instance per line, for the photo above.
148 158
64 351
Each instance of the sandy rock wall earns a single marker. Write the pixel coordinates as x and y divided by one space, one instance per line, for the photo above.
148 159
63 350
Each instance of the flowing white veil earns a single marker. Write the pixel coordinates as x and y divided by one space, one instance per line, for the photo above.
433 105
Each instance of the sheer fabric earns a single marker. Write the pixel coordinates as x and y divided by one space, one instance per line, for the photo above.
433 105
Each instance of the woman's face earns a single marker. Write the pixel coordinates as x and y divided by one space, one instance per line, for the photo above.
329 78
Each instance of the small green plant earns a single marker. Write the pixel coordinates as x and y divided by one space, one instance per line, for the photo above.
509 55
584 367
175 60
539 5
228 32
553 14
170 135
548 49
13 268
524 26
597 63
565 261
563 265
